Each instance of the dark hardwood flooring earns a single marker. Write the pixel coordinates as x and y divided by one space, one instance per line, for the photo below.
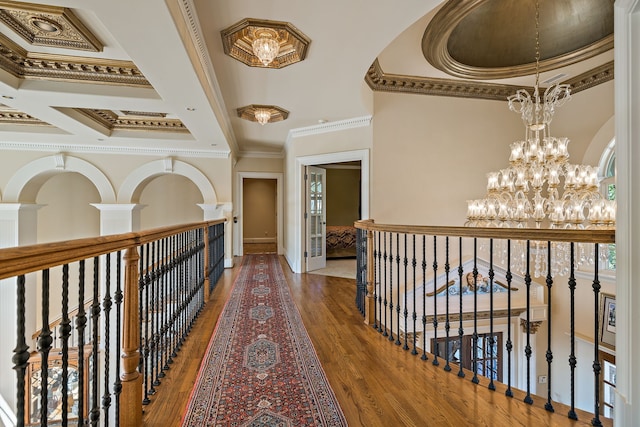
376 382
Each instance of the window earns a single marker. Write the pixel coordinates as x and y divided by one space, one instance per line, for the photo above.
608 384
488 353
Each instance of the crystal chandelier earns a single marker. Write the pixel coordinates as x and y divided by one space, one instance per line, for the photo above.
540 188
265 46
262 116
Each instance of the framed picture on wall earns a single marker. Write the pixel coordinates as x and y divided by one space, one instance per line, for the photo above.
608 321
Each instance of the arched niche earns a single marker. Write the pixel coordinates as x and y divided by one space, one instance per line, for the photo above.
26 182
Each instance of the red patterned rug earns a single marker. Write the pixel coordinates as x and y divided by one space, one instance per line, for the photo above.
261 368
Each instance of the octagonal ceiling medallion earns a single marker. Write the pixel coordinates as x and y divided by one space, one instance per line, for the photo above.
49 26
237 41
493 39
276 114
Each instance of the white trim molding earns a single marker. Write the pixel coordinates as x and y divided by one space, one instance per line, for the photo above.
340 125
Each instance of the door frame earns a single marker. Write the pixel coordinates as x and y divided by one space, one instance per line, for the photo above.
237 226
299 202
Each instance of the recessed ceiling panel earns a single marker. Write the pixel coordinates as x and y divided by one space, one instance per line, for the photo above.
497 38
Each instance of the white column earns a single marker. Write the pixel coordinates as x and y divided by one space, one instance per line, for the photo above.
627 111
218 211
18 227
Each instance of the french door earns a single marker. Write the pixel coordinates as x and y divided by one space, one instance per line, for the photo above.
315 218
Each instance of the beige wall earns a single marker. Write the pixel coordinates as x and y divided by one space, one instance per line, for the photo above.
259 210
343 196
169 200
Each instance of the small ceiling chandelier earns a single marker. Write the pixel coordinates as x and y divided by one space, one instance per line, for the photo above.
262 116
541 188
266 45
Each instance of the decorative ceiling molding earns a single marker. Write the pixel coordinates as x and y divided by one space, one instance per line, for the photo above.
378 80
337 126
237 42
12 116
248 112
28 65
112 121
114 149
51 26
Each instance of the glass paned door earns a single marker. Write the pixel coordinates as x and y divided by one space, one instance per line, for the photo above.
316 218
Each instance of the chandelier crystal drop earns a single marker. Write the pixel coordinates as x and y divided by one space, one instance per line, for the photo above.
262 116
540 188
266 47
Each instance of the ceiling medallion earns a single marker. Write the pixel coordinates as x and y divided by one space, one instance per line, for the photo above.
50 26
489 39
262 114
266 44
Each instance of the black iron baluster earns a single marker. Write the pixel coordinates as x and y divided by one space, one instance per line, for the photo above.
475 379
172 299
165 308
117 387
144 317
398 289
65 332
447 325
509 277
406 309
435 302
424 298
460 328
376 289
106 306
414 263
527 351
44 347
20 357
596 348
385 333
151 319
81 322
572 356
492 340
380 285
94 413
391 287
549 406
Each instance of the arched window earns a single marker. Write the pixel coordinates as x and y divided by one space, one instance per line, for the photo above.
607 172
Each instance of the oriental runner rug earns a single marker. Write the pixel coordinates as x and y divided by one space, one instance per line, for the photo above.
260 368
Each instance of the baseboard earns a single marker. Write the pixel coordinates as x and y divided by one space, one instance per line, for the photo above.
228 263
259 240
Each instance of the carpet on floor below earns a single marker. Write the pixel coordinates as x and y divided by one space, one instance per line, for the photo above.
260 368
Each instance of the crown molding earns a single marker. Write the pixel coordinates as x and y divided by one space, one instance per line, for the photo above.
380 81
336 126
113 121
100 149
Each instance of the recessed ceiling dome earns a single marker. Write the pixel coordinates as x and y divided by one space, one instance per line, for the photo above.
490 39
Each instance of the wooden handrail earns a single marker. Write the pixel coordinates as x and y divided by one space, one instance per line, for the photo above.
27 259
554 235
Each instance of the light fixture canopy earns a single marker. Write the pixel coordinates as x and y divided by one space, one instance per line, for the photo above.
265 43
262 114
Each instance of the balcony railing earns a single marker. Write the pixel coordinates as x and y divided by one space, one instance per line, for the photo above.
122 307
518 306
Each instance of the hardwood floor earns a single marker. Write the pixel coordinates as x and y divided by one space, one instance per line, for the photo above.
376 382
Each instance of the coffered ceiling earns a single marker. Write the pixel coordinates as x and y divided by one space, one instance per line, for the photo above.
149 76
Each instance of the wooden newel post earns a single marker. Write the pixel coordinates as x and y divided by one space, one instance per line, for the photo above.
131 396
370 315
207 282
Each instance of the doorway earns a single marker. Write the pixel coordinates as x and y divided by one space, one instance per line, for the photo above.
240 212
259 228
